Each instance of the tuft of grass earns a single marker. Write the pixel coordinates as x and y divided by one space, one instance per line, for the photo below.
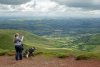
82 57
10 53
89 55
2 53
62 56
37 53
7 52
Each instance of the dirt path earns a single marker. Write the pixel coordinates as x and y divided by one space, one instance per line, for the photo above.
40 61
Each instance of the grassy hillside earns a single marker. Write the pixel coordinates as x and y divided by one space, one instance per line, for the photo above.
48 46
6 39
30 40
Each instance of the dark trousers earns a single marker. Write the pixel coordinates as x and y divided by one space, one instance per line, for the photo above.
18 53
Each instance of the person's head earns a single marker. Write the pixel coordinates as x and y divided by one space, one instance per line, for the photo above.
17 34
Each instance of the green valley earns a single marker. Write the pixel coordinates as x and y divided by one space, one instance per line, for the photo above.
52 46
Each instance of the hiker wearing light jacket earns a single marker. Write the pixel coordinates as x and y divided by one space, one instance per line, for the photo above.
18 46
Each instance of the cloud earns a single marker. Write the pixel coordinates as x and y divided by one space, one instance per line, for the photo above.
84 4
39 6
13 2
80 8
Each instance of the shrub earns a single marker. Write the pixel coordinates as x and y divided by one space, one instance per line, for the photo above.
2 53
11 53
38 53
82 57
62 56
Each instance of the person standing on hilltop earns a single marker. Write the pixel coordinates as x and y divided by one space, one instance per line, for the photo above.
18 46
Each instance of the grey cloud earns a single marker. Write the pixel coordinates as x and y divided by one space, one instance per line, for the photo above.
13 2
85 4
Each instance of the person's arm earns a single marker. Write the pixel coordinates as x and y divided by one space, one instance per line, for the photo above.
22 38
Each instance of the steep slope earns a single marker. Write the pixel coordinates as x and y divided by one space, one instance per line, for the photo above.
6 39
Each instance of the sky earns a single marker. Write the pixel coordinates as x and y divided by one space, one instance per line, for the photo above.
67 8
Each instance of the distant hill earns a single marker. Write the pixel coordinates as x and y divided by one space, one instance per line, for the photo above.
48 26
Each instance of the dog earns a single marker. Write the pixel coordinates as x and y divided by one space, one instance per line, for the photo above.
29 52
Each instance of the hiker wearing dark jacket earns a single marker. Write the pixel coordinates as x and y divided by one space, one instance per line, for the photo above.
18 46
